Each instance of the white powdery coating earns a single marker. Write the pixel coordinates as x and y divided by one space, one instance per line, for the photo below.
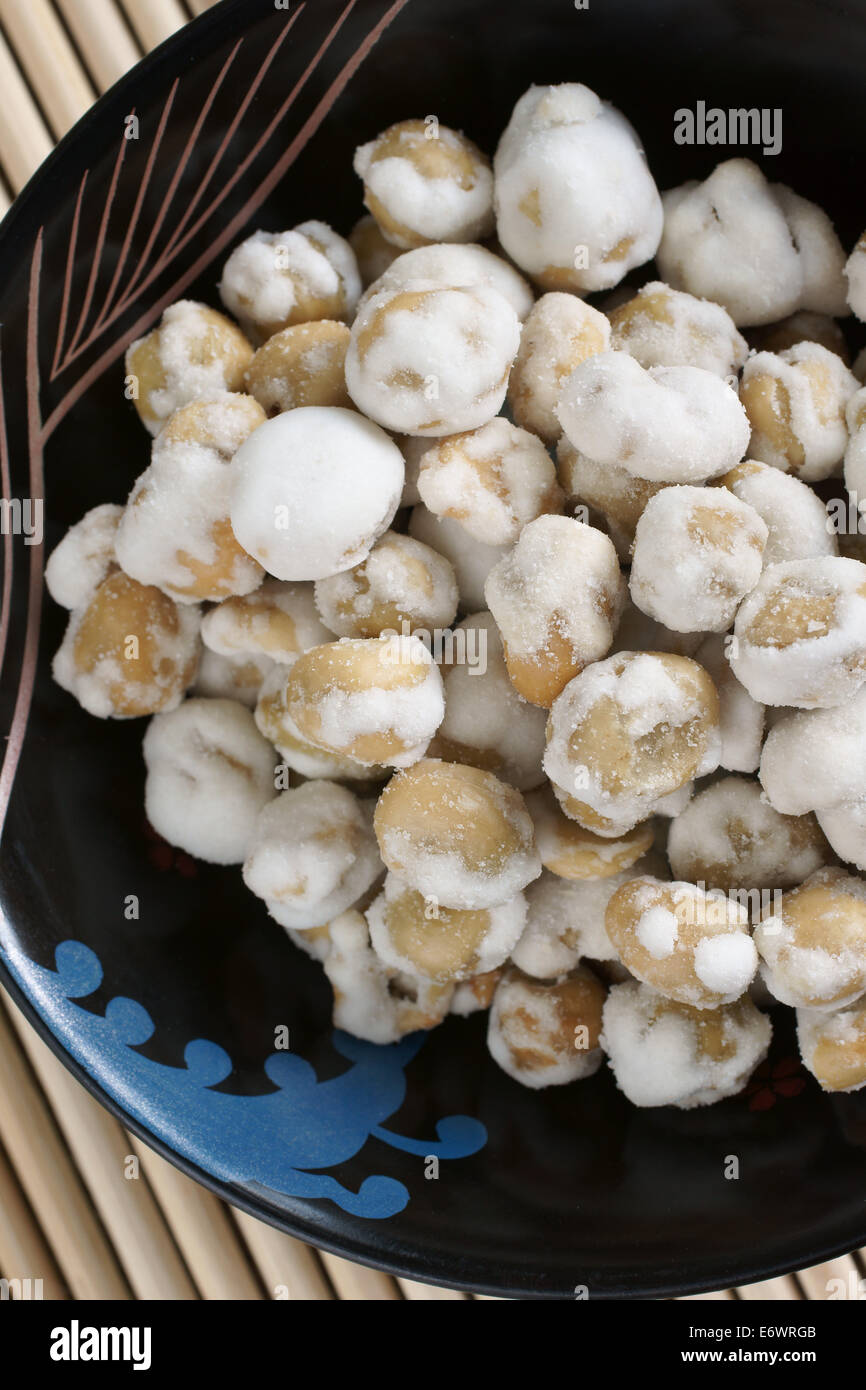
483 711
647 696
656 1058
845 828
279 621
399 572
815 671
741 719
170 525
412 713
559 333
430 360
687 332
80 562
795 517
813 759
209 774
855 273
264 277
755 248
657 931
312 854
520 1021
435 209
493 480
313 489
855 452
187 378
454 264
682 574
302 757
817 424
668 424
727 963
803 976
570 173
231 677
472 560
732 824
505 922
845 1028
364 1004
93 688
561 574
565 923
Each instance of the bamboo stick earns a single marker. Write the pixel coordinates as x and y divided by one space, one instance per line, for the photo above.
358 1283
48 1176
48 60
429 1293
24 137
24 1253
287 1266
103 37
154 20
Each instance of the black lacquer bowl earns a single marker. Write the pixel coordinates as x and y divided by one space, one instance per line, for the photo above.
249 118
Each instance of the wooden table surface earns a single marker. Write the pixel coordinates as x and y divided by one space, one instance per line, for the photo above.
70 1214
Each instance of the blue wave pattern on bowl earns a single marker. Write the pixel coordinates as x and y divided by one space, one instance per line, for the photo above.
265 1143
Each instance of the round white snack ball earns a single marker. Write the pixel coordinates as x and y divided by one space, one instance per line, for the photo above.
193 353
371 1001
628 732
377 700
813 759
795 401
609 490
556 597
576 205
668 424
795 517
175 530
845 828
129 650
741 719
297 752
209 774
665 1053
833 1046
403 585
662 327
697 553
279 621
444 944
85 556
547 1034
313 490
754 247
275 279
690 945
487 724
471 559
493 480
855 451
813 944
453 263
476 995
426 183
566 848
458 835
800 635
560 332
730 837
372 252
231 677
855 274
431 360
565 920
312 854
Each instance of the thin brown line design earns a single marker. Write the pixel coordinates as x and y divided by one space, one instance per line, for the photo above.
38 432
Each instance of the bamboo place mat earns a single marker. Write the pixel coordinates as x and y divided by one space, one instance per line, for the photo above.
68 1212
